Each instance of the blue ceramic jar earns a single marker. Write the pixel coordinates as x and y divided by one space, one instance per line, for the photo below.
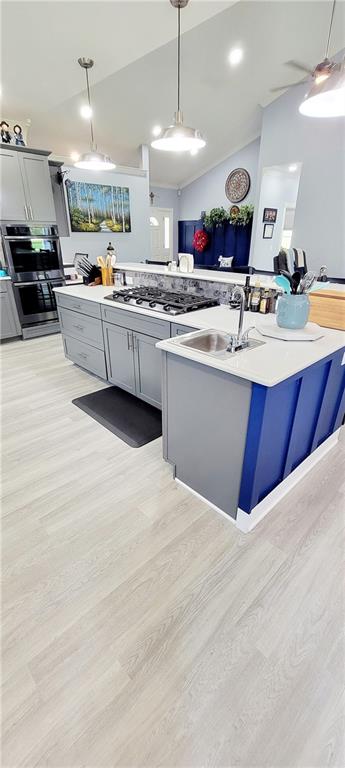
293 310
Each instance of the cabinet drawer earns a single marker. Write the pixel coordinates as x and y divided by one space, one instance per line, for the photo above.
159 329
91 308
178 330
88 329
86 356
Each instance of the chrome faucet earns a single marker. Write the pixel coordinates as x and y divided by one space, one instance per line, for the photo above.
239 340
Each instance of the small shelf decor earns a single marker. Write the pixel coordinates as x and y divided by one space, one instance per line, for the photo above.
215 217
241 215
200 240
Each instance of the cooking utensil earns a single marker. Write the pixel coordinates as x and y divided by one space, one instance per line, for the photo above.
307 281
288 275
296 279
283 283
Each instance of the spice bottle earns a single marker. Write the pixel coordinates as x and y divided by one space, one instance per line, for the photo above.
264 303
255 298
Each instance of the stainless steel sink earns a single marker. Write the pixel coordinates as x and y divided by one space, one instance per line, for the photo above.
208 341
215 343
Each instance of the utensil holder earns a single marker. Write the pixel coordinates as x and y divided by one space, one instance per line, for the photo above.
293 310
107 276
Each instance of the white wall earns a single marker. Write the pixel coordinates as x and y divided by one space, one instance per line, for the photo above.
208 191
168 198
279 190
319 144
130 246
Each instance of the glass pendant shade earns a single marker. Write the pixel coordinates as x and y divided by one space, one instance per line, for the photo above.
326 99
179 137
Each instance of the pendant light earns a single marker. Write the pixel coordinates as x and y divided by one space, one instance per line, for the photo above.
179 137
326 97
93 160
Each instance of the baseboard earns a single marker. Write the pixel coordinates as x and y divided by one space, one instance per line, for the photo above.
209 503
246 522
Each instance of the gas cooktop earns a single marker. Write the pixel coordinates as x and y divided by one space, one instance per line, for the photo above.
161 301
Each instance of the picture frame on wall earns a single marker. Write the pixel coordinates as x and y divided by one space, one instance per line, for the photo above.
268 231
270 215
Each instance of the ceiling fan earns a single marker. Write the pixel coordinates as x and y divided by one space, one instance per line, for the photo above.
322 70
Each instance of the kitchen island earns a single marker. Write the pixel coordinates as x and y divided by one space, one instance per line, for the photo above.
239 430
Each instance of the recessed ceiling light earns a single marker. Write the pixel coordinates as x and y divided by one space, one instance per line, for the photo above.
293 167
156 131
194 151
75 156
235 56
86 111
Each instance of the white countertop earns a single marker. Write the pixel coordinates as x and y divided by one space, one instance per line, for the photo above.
5 277
238 278
268 364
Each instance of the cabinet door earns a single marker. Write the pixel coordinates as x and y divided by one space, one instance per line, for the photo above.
119 355
12 202
7 322
147 369
39 192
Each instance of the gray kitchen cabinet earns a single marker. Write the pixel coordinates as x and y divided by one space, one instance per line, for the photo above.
177 329
147 363
26 187
9 321
37 183
12 201
88 357
118 343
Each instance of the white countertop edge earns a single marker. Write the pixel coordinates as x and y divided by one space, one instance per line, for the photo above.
5 277
240 364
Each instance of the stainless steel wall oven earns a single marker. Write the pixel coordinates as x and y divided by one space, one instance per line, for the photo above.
34 261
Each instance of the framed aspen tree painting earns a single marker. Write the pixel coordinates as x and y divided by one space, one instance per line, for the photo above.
98 207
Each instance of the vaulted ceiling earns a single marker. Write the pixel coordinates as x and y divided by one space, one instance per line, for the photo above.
134 78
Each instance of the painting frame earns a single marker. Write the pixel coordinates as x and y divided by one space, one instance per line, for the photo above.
98 208
270 215
268 231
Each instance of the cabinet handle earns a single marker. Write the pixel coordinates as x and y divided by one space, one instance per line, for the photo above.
76 306
78 327
129 341
31 214
81 354
26 212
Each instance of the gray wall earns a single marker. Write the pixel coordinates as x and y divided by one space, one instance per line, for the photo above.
319 144
208 191
130 246
168 198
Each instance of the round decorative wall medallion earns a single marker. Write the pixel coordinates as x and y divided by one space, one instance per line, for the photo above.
237 185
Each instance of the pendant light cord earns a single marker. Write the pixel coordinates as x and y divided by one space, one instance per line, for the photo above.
330 30
178 57
89 100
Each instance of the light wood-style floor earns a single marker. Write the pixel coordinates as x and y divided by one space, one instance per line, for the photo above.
140 628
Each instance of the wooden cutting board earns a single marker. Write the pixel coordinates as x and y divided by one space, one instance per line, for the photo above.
327 308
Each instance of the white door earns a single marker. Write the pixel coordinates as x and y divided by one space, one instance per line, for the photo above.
161 230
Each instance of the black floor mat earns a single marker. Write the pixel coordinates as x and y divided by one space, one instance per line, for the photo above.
134 421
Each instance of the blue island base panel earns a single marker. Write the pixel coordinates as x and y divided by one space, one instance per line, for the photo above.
288 423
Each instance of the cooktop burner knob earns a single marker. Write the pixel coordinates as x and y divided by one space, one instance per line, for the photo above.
127 298
152 304
139 301
167 308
